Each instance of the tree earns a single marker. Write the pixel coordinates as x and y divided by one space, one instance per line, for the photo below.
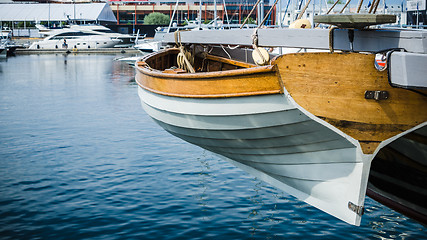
333 1
251 21
156 18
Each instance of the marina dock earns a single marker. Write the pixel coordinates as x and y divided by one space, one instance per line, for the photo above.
75 51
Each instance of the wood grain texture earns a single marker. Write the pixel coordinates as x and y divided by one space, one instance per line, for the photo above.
332 86
227 78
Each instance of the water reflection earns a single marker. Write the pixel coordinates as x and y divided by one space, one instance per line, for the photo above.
388 224
204 177
255 203
80 159
264 214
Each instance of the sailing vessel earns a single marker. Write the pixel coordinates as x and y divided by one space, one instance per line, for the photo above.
327 127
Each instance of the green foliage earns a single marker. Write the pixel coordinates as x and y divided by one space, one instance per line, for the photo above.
251 21
156 18
333 1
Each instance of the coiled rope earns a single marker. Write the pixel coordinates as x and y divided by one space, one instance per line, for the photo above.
185 59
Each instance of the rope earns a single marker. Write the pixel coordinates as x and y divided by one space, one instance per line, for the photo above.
330 9
303 10
376 6
229 56
255 46
269 11
232 48
183 56
177 36
246 19
286 11
359 6
346 4
183 62
372 6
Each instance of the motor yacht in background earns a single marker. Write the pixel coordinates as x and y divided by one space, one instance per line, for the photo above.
126 40
7 46
4 37
73 39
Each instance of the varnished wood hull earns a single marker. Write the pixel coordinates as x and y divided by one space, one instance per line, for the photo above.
261 120
333 87
230 83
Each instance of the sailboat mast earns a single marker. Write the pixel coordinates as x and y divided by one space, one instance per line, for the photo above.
260 12
280 13
173 15
200 14
215 14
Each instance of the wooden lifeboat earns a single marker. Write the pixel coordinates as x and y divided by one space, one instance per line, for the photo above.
215 77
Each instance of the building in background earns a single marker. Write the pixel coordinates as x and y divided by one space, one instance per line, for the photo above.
228 11
417 16
123 15
55 13
127 16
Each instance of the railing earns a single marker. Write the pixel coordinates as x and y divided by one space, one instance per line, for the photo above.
25 32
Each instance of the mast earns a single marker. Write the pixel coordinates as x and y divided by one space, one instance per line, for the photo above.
280 13
215 14
74 5
48 17
312 12
260 12
173 15
226 14
200 14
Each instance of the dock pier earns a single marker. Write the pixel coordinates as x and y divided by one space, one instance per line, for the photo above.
21 51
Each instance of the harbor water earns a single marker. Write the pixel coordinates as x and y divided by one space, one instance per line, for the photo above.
80 159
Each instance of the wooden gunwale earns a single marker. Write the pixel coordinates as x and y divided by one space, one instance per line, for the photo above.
249 80
247 68
236 72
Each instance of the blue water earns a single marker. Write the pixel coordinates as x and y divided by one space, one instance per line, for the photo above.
80 159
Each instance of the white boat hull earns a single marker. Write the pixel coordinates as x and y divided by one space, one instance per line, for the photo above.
3 52
271 137
80 43
148 46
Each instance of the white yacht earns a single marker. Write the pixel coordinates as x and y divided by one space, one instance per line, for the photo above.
7 46
73 39
147 45
4 36
126 40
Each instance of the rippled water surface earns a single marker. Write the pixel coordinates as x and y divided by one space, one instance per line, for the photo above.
80 159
